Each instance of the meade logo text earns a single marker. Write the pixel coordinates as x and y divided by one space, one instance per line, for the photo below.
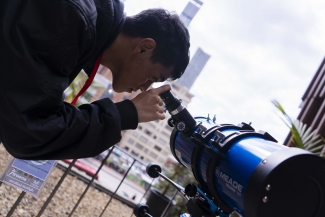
229 180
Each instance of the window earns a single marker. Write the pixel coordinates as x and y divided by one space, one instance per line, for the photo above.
147 132
135 134
143 139
140 127
165 153
153 155
131 141
165 134
161 160
175 87
141 157
126 148
161 141
157 148
134 153
155 137
152 125
139 146
146 150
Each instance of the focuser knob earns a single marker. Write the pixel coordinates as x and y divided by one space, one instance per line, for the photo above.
170 122
153 170
181 126
190 190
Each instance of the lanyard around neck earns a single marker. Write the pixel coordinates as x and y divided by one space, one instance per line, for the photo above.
89 80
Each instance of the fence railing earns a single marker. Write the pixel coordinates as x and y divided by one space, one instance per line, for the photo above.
90 183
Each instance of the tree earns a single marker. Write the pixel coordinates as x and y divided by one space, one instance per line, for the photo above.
182 176
302 136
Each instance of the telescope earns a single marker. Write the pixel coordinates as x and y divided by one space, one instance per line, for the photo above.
240 170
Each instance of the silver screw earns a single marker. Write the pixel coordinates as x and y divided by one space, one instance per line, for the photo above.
265 199
264 161
268 187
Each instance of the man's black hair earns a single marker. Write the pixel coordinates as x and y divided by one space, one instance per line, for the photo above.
170 34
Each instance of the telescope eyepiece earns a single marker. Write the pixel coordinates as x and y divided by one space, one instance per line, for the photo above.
179 113
171 102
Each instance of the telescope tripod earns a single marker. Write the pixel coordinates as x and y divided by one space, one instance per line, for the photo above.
199 204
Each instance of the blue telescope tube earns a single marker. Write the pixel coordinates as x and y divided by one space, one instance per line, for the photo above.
248 172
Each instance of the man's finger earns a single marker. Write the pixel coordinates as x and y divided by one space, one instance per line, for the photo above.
160 103
161 110
161 116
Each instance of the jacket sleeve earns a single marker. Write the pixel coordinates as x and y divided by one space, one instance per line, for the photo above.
41 43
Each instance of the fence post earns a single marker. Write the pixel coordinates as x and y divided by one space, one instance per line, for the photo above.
92 180
168 205
145 193
56 188
117 188
21 196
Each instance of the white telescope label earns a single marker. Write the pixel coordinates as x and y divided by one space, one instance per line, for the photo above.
232 184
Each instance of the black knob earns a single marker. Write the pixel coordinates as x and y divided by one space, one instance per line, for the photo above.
153 170
190 190
141 210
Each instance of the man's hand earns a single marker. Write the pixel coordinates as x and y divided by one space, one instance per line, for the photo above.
149 104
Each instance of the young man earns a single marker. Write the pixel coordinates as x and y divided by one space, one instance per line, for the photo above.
45 44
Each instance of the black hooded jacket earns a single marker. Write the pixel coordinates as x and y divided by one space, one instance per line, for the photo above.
43 46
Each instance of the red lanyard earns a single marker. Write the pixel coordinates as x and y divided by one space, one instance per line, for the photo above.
89 80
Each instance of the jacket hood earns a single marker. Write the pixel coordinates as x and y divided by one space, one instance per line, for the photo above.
109 23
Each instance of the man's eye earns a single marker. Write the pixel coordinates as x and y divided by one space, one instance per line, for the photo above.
155 79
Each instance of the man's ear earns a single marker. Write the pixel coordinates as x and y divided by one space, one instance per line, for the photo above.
145 45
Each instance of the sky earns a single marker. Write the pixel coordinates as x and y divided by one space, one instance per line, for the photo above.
260 51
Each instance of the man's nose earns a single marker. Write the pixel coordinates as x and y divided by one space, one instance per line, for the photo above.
143 87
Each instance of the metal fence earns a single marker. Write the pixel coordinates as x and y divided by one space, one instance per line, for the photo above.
89 184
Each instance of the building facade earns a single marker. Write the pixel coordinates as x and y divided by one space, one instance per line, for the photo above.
190 11
313 104
194 68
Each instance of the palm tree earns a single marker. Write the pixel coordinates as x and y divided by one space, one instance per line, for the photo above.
302 136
